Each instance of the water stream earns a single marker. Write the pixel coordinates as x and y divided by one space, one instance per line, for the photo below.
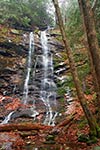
7 118
48 87
31 50
32 109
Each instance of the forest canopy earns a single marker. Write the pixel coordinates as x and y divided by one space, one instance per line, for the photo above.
25 13
73 21
31 13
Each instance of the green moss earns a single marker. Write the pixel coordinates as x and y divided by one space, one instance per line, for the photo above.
82 124
83 71
64 56
92 140
83 138
87 139
4 30
79 57
61 91
67 83
87 91
98 131
62 100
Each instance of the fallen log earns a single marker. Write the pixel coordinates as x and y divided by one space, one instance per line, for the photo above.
66 121
23 127
62 125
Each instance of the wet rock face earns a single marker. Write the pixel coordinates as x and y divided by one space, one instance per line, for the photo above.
13 62
10 73
13 70
5 53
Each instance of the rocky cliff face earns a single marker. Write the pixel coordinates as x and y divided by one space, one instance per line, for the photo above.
14 48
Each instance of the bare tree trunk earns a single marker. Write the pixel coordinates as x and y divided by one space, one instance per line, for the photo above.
93 72
94 51
91 120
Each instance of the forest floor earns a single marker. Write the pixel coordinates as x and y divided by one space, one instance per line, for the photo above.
70 134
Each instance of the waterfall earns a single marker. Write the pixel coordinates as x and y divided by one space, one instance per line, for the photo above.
26 90
31 50
7 118
43 89
48 87
34 113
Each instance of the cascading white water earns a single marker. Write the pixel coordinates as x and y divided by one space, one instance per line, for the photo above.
25 91
31 50
48 87
29 67
7 118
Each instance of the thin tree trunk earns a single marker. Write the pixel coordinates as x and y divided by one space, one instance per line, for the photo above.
93 72
91 120
88 19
